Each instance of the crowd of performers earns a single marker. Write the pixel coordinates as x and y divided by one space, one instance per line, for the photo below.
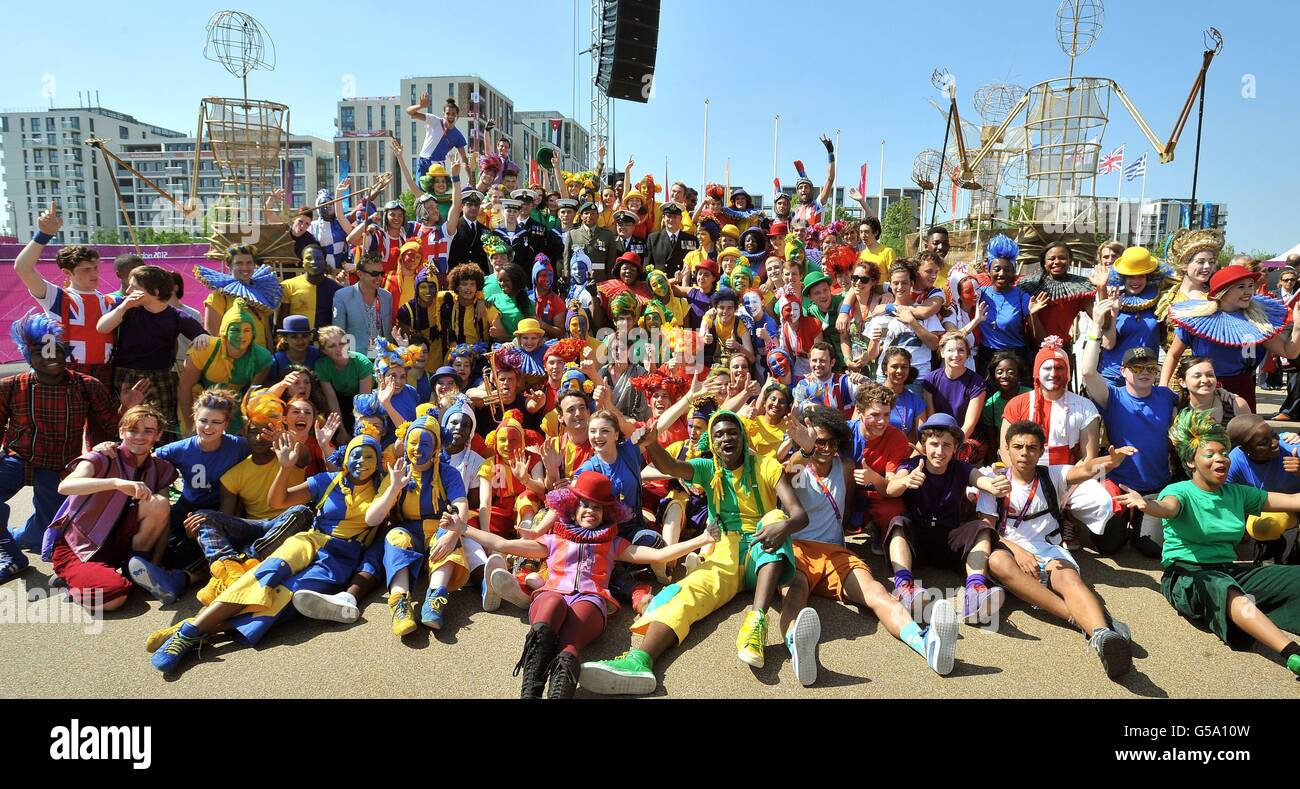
575 400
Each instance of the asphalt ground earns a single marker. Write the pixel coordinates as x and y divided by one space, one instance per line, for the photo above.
1030 655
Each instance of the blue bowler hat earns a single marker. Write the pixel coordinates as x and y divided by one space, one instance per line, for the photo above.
295 324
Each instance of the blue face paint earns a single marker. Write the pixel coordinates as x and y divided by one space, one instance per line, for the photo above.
361 463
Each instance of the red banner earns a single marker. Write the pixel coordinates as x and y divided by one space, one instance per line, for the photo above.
862 181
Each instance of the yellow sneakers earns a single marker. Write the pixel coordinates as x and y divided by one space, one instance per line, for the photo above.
752 638
403 616
224 573
159 637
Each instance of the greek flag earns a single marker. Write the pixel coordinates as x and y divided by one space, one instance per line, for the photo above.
1136 169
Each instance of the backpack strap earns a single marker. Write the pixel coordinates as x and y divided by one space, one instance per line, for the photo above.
1048 489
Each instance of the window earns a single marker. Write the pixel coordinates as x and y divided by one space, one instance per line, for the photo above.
413 98
361 156
383 117
123 132
49 123
413 133
451 90
370 118
382 145
348 118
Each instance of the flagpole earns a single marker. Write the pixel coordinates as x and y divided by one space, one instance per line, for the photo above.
880 196
835 203
704 174
1142 202
776 145
1118 193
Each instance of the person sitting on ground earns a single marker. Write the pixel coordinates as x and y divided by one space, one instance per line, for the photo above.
1030 557
1204 519
1261 461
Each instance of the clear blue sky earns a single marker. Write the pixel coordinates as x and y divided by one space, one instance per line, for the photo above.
862 68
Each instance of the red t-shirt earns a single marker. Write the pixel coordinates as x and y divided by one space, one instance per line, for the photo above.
883 456
657 489
1058 316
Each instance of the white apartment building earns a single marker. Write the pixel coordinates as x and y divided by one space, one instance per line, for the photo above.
534 129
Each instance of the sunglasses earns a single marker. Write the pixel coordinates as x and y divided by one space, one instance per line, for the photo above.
825 443
857 280
379 273
1147 367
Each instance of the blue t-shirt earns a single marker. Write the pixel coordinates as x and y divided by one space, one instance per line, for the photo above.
281 362
1143 424
624 473
1228 359
200 471
907 408
1268 476
1131 331
404 403
440 138
1004 328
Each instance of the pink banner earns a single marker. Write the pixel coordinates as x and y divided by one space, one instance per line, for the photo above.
15 301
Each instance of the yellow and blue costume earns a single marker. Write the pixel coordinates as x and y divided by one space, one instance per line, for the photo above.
322 559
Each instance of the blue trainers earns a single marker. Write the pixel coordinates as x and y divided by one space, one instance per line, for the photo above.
11 565
431 611
174 649
166 585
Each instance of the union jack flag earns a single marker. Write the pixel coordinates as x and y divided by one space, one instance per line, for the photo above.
1111 162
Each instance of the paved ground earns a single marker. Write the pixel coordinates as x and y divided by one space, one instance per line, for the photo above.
1030 657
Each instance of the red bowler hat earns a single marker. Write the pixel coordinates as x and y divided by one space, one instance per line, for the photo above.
1226 276
594 487
778 230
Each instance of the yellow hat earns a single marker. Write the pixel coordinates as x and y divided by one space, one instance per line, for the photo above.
731 231
729 252
437 170
1136 261
529 326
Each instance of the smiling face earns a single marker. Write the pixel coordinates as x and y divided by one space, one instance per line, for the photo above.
603 435
574 414
1107 256
301 416
739 369
209 424
938 449
463 366
875 419
139 438
1003 273
239 335
242 267
1007 375
313 261
446 386
900 283
629 272
728 443
1058 261
954 354
48 359
421 445
775 406
898 368
825 446
1211 463
590 514
821 295
530 341
1237 296
819 360
1135 284
926 273
1141 376
1200 380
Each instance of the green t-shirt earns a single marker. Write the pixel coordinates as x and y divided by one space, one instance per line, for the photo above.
1210 525
510 313
743 514
347 381
993 407
829 333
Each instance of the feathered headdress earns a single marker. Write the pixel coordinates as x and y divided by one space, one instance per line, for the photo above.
387 355
37 328
624 303
263 290
1002 248
575 380
839 259
569 349
508 358
1192 428
263 408
464 350
653 382
715 191
496 245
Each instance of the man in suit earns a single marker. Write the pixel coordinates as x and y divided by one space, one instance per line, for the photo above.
467 244
667 248
598 242
365 311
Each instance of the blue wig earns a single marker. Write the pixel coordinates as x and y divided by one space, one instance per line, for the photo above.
367 405
1001 247
37 328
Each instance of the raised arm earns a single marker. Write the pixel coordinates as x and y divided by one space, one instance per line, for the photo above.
410 181
1089 357
663 461
419 109
48 225
829 186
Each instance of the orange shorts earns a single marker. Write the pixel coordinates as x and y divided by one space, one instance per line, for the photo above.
827 567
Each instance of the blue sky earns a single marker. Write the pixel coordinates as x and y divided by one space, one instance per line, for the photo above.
861 68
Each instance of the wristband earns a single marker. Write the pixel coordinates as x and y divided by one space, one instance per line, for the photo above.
455 179
846 309
42 238
1094 337
830 157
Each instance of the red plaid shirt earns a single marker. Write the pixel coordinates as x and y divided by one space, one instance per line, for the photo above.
44 425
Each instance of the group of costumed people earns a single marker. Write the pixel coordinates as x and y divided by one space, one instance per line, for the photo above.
587 395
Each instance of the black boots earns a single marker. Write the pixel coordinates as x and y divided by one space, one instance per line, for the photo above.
564 676
539 649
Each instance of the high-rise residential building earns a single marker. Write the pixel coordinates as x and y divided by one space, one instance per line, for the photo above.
170 163
46 159
533 130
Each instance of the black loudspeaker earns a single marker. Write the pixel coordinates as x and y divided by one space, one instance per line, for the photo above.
629 39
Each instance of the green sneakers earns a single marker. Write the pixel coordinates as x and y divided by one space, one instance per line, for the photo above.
1293 663
628 674
752 638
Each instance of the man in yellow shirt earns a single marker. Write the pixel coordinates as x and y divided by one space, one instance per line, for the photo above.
310 293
